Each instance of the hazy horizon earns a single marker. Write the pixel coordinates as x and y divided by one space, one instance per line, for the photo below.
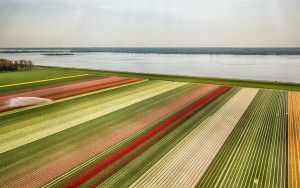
149 23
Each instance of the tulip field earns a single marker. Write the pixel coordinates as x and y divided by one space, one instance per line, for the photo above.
83 128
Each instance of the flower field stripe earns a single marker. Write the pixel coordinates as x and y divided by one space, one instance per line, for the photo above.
70 98
12 122
72 119
79 144
62 88
293 139
187 161
191 96
32 116
254 155
137 142
119 164
91 139
93 88
64 94
189 106
46 80
129 174
23 136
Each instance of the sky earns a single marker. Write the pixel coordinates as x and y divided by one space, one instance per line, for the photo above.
149 23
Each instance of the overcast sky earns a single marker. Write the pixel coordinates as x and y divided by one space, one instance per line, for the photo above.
169 23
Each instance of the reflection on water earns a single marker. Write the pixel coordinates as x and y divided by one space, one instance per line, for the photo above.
272 68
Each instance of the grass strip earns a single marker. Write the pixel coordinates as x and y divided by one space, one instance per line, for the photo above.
194 79
39 81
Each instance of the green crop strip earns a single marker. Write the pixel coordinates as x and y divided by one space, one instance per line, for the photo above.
138 166
255 152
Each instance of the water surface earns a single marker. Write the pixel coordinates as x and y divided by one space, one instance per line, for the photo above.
284 68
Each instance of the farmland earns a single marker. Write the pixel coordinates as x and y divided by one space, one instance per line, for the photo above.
106 129
293 139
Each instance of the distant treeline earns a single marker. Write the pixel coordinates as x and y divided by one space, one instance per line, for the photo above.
229 51
56 54
9 65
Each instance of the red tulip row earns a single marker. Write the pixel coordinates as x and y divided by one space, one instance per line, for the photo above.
176 119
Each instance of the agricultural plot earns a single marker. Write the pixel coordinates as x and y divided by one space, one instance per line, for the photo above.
200 147
63 91
13 82
90 130
126 176
293 139
255 153
118 131
128 151
17 133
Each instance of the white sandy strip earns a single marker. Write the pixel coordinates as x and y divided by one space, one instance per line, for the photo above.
26 135
184 165
47 80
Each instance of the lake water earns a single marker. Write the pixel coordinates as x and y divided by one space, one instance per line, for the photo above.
254 67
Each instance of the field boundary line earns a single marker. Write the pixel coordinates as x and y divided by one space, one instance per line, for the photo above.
46 80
